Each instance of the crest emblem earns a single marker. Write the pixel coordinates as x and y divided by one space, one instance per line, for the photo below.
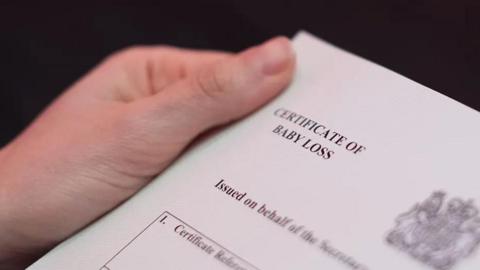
436 232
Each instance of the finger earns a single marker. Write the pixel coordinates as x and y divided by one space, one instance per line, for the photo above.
142 71
158 66
229 88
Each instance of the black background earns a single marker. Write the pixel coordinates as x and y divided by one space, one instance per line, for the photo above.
45 48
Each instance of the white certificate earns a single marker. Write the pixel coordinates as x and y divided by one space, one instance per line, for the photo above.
352 167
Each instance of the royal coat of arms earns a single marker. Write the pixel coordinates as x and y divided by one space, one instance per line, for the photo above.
438 233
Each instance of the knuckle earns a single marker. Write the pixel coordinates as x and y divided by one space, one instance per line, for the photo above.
212 83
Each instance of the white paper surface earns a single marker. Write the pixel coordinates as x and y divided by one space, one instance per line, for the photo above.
332 213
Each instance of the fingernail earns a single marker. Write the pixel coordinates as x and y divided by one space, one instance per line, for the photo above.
274 56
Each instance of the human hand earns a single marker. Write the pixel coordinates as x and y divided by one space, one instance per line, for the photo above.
116 129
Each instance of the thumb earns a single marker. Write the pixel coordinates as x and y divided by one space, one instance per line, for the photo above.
229 88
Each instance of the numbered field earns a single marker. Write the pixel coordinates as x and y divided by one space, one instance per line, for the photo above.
170 243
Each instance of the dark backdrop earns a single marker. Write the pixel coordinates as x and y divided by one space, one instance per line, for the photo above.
45 48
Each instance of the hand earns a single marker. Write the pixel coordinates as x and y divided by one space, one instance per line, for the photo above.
116 129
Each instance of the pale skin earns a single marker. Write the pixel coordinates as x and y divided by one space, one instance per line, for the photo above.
116 129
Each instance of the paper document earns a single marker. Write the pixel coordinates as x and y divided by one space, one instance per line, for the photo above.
352 167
